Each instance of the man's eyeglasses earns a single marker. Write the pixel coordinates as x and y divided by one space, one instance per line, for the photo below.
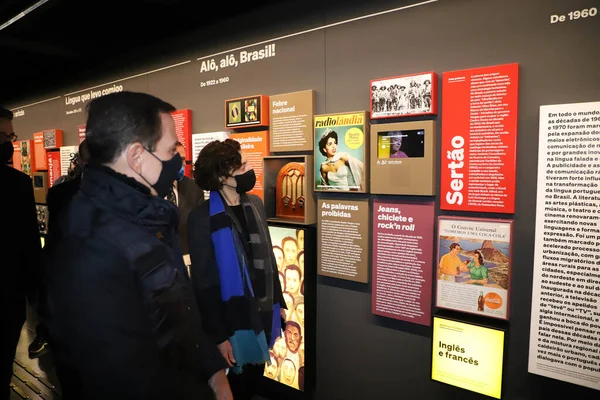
8 137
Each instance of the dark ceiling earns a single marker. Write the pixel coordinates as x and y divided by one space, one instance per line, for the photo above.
65 39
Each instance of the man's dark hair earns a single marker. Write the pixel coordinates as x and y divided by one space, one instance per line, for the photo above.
120 119
454 245
216 159
6 114
294 324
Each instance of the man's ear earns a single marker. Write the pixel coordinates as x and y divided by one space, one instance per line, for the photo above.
135 155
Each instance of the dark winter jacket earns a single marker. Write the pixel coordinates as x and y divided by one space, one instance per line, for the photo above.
122 310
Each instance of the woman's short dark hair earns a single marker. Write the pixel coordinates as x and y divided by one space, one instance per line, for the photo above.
217 159
480 256
329 133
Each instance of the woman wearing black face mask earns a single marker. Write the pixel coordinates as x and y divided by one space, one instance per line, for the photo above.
233 269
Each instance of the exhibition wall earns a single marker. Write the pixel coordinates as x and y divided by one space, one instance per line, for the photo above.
336 49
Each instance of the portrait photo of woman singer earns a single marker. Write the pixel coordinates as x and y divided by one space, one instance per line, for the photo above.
341 171
234 271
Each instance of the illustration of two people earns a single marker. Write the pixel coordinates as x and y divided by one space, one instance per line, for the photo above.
451 265
341 171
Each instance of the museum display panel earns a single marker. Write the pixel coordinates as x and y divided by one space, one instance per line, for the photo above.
565 326
341 142
289 197
403 158
474 265
492 81
402 249
247 112
255 145
54 168
288 355
183 130
406 95
343 243
291 121
468 356
479 139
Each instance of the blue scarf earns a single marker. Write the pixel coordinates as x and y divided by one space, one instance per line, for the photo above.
249 345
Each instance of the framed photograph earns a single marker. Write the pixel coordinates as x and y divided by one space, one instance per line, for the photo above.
341 142
405 95
246 112
403 158
474 263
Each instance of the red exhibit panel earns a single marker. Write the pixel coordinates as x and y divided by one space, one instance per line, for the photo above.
479 139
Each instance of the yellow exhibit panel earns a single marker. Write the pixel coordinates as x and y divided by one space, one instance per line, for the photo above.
468 356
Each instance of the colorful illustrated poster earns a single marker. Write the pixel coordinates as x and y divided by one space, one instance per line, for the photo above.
402 249
468 356
27 157
564 341
287 355
340 152
248 111
474 265
479 139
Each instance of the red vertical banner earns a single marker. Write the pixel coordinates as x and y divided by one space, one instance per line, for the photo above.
53 161
256 146
80 132
479 139
40 151
17 156
183 128
402 255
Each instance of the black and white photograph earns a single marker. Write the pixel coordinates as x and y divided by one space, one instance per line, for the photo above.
404 95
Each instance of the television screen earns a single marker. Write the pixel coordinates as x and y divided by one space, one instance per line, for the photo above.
401 144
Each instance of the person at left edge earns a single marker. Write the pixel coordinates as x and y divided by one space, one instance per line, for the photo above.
57 199
121 306
20 250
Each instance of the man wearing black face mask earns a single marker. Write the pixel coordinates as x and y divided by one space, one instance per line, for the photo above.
233 269
122 311
21 248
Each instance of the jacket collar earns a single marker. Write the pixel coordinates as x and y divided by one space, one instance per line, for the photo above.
122 195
